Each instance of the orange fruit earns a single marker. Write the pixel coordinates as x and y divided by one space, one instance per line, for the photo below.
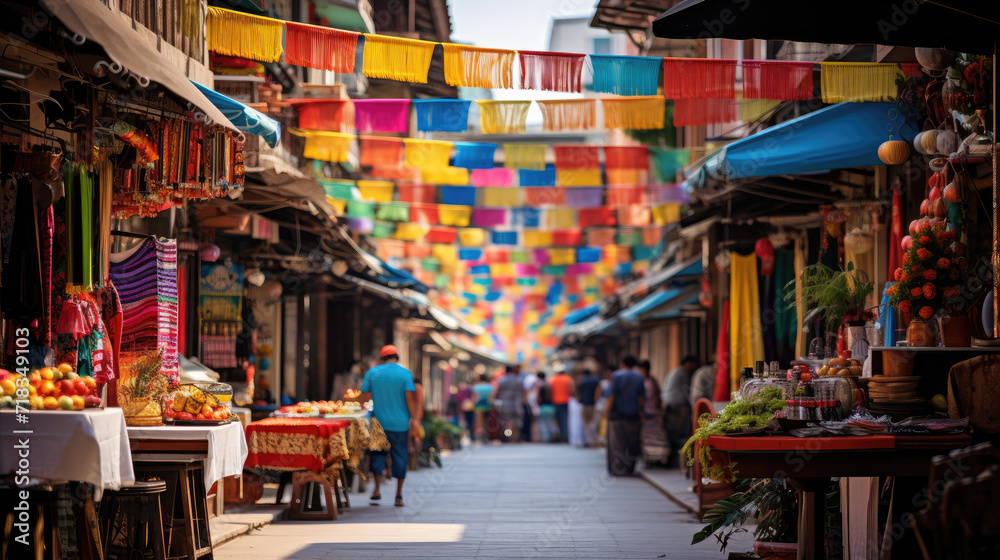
77 402
47 388
206 410
64 368
90 381
48 373
50 403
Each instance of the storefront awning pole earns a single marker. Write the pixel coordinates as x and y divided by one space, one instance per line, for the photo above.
996 211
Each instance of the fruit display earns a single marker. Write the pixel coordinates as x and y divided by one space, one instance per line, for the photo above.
313 408
841 367
352 394
190 403
50 388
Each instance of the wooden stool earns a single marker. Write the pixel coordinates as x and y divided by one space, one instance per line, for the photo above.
44 531
132 522
305 497
184 507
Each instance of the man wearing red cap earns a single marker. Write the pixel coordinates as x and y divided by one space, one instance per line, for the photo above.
390 387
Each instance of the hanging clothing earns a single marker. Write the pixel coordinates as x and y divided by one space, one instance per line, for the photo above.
785 323
801 343
746 344
22 269
723 384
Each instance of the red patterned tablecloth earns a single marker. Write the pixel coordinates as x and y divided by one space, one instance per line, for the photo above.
293 444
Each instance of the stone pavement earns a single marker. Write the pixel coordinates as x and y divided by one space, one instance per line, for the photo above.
511 501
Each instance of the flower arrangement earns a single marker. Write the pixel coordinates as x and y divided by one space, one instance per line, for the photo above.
928 280
971 79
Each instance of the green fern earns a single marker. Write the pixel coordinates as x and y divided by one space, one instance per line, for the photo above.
835 293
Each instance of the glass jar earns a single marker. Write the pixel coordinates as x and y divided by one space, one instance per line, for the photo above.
837 393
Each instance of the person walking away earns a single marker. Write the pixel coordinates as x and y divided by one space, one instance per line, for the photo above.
677 409
510 397
577 431
625 412
390 387
482 395
546 410
561 386
468 408
653 393
703 383
586 390
530 383
417 440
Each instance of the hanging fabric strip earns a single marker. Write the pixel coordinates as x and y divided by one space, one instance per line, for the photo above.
327 146
360 225
777 79
381 150
397 172
376 191
560 218
474 155
666 214
625 196
666 162
686 78
532 178
501 197
634 113
471 237
503 117
393 212
577 157
601 237
551 71
424 194
444 235
698 112
445 176
910 69
626 176
749 111
584 197
524 156
427 154
457 216
381 115
423 213
495 177
395 58
634 216
442 115
544 196
331 115
324 48
489 217
459 196
411 232
625 75
850 82
590 217
467 66
626 157
567 237
568 114
243 35
534 239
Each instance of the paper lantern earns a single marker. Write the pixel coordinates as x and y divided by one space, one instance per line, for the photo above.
893 152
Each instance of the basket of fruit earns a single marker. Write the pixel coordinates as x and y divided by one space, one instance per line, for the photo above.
841 367
49 388
190 404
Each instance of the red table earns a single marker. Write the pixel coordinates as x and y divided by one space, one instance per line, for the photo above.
808 463
292 444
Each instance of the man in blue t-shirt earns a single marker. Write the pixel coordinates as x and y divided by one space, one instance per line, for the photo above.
625 412
390 387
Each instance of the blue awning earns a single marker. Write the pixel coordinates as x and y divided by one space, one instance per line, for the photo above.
835 137
582 314
244 118
656 302
676 308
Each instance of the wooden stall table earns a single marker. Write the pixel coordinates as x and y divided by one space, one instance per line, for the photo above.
88 445
808 463
309 448
190 459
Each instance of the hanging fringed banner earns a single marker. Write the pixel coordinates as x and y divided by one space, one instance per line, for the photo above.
850 82
562 256
444 235
384 230
534 239
601 237
667 162
336 115
698 112
596 217
445 176
327 146
560 218
395 58
380 150
313 46
652 235
423 213
532 178
625 75
634 113
577 157
544 196
393 212
754 109
560 115
524 217
474 155
584 197
360 209
360 225
578 177
342 189
503 237
408 192
500 197
910 69
467 66
395 173
551 71
459 196
567 237
777 79
588 255
626 157
626 176
635 216
427 154
442 115
376 191
457 216
625 196
503 117
489 217
687 78
524 156
381 115
471 237
243 35
496 177
666 214
411 232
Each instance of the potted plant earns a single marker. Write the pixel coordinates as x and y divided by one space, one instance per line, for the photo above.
927 282
840 296
772 502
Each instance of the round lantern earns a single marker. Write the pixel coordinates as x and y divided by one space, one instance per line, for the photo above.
210 252
928 141
934 59
917 145
893 152
947 142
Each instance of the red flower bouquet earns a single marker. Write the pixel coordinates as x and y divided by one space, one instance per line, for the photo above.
929 278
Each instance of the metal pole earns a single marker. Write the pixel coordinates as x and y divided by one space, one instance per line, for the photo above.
996 210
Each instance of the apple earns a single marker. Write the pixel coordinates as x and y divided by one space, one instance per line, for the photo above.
47 373
71 375
6 401
65 402
90 381
92 401
7 386
64 367
913 227
66 388
80 388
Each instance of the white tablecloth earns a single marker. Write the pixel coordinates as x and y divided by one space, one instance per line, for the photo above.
227 446
86 446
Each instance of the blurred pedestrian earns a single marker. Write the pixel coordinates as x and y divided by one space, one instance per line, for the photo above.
703 383
562 389
625 411
601 398
586 390
530 383
482 395
510 401
546 410
467 407
677 409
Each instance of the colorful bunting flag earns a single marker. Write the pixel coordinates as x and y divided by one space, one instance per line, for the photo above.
474 155
442 115
503 117
524 156
427 154
396 58
376 191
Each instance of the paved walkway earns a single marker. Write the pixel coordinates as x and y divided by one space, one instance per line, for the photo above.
511 501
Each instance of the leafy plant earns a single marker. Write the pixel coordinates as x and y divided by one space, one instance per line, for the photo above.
144 380
771 501
839 294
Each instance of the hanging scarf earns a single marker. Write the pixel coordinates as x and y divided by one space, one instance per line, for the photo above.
625 75
503 117
524 156
777 79
849 82
568 114
634 113
313 46
237 34
685 78
551 71
395 58
467 66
